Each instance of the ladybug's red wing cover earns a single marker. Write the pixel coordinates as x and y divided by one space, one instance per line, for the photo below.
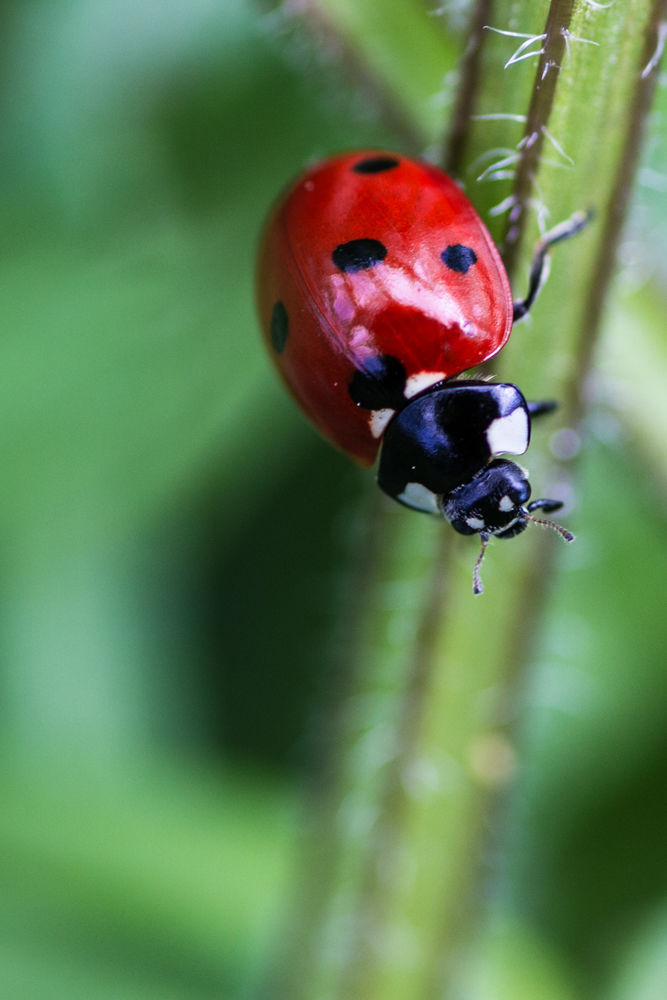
377 279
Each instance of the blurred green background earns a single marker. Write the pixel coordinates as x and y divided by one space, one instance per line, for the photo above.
175 541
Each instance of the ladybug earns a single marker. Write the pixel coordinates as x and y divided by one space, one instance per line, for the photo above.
378 285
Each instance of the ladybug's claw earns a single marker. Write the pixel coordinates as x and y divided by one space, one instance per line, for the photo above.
539 267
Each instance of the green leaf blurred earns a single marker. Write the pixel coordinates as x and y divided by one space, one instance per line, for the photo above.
152 883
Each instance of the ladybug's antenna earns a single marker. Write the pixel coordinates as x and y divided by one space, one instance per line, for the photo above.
567 536
563 532
477 587
549 506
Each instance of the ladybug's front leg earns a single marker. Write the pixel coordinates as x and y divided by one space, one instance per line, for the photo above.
539 269
539 407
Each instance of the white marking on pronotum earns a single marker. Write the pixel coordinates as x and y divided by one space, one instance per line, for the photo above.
509 433
422 380
416 495
476 523
379 420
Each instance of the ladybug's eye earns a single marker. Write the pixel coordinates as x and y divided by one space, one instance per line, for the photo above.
491 502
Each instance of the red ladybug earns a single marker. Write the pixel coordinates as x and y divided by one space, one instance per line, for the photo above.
378 282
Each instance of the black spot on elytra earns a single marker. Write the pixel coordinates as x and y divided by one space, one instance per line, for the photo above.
379 384
459 258
357 255
279 328
375 164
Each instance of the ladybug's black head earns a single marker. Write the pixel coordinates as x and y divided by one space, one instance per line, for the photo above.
491 503
494 503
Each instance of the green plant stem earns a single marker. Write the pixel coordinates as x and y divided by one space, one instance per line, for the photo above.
423 744
467 93
549 67
626 168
